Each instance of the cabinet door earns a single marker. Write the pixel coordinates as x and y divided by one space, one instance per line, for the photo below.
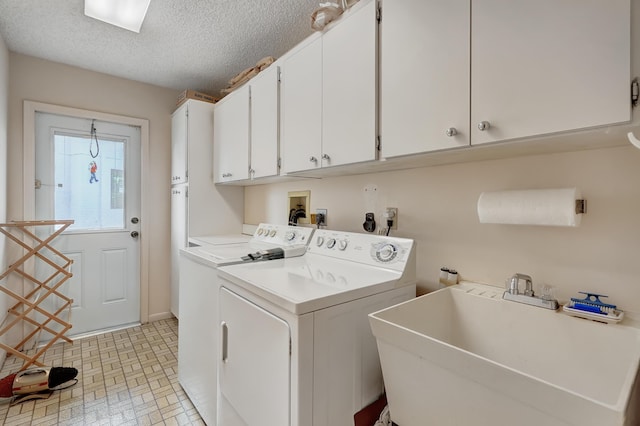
302 109
424 76
231 137
179 233
179 139
349 88
548 66
253 365
264 123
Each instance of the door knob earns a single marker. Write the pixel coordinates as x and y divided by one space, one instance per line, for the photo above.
134 234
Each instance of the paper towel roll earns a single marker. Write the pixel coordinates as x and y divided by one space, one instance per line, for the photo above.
553 207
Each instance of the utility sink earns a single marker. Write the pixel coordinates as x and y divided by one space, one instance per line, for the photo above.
463 356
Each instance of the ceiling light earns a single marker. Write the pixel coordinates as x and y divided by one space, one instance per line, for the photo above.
127 14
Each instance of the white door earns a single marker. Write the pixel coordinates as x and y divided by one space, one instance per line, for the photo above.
349 88
424 76
231 135
264 123
547 66
254 364
301 109
94 180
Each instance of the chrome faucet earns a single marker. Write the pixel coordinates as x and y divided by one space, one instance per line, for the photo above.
515 281
528 297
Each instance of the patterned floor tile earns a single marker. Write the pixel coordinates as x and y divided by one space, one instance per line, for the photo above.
126 377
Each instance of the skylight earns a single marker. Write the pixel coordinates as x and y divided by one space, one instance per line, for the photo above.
127 14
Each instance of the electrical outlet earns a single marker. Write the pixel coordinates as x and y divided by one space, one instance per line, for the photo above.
391 213
321 217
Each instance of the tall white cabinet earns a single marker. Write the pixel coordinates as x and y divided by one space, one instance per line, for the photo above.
198 207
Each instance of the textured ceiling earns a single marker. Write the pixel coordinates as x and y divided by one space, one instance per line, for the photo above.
195 44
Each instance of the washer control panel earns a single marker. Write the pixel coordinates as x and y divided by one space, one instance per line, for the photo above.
364 248
282 235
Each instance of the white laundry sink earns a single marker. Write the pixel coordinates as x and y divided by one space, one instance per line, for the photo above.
463 356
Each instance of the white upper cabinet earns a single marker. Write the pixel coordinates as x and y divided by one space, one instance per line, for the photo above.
349 89
231 137
329 88
264 123
179 137
424 76
301 109
547 66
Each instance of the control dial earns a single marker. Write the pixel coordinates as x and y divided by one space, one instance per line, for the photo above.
342 245
331 243
386 252
272 233
320 241
290 235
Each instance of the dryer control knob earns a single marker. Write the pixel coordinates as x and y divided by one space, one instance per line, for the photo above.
290 235
342 244
320 241
386 253
272 233
260 231
331 243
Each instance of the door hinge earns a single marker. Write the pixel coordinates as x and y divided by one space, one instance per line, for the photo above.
186 193
290 346
379 13
635 92
378 143
279 75
186 112
38 184
279 163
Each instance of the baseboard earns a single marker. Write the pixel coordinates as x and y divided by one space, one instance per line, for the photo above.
160 316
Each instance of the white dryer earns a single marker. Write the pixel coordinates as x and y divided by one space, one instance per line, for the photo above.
198 302
296 346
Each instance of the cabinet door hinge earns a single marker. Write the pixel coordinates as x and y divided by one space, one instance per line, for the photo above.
186 112
290 346
635 92
378 143
379 13
279 75
186 193
279 163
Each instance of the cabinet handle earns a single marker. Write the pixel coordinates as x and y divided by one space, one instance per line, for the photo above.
484 125
451 131
326 157
313 159
224 332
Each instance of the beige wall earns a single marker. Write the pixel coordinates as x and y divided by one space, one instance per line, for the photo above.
437 208
44 81
4 99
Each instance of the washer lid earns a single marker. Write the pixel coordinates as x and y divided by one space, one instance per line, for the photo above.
311 282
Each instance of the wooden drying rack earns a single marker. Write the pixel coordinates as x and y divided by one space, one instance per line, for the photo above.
34 247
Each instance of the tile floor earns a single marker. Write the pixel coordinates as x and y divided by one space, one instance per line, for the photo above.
126 377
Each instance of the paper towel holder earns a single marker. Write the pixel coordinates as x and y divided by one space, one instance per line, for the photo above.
550 207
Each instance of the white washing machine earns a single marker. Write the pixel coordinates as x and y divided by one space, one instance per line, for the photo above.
295 343
198 302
